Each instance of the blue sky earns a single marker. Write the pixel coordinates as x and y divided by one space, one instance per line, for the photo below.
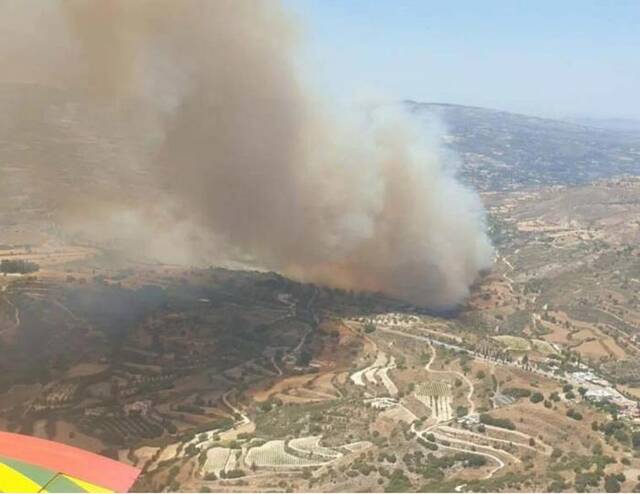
550 58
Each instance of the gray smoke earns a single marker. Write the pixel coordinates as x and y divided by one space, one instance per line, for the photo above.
224 152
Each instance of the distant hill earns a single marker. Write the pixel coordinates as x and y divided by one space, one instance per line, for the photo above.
506 151
69 141
499 150
618 124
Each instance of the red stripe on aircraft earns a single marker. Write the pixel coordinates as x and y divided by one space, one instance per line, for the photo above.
75 462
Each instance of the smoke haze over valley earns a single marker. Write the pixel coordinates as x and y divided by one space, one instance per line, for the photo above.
225 153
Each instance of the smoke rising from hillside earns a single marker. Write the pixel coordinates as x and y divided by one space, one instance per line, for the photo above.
229 154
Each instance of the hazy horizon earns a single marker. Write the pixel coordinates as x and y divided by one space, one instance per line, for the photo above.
564 60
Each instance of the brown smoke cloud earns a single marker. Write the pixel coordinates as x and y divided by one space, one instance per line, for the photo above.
223 152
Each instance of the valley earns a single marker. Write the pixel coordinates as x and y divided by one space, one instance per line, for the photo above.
227 379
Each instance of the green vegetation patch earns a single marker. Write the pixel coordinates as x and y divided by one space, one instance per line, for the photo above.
18 266
514 343
487 419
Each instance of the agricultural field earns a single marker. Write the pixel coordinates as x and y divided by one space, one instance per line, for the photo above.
275 454
309 447
129 426
60 394
236 380
514 343
437 397
219 460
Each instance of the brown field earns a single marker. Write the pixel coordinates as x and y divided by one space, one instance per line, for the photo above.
600 348
86 369
632 390
552 426
282 386
69 434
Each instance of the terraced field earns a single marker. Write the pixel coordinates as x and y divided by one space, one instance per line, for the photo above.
383 374
514 343
544 347
309 447
216 461
369 373
274 454
436 395
357 446
377 373
127 426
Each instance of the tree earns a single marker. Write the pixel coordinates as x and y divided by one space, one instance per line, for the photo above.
18 266
485 418
305 357
621 436
536 397
611 484
234 474
557 486
398 482
369 327
574 414
635 439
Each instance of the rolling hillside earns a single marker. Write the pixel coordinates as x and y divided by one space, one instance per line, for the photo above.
504 151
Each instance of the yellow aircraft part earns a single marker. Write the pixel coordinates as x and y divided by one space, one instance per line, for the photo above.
87 486
13 481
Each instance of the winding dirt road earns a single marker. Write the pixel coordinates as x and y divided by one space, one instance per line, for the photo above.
244 418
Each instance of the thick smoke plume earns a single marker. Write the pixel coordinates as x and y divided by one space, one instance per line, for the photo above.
224 152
